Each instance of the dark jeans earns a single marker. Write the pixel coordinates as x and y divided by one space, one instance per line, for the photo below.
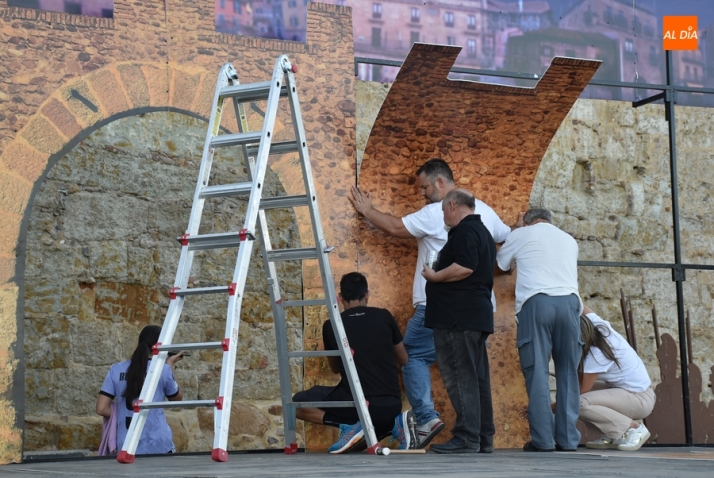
382 409
463 363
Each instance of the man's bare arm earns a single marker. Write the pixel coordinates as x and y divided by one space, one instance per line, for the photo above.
392 225
451 274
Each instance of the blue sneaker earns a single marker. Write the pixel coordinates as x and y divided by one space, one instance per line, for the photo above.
405 430
350 435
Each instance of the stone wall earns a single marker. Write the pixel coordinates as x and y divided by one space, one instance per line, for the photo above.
101 257
605 176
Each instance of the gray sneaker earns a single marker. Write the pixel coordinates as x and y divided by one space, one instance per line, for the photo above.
428 431
603 443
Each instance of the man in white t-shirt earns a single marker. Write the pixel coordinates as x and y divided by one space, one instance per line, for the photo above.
548 308
435 180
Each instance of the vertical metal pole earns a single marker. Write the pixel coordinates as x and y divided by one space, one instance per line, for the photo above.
678 273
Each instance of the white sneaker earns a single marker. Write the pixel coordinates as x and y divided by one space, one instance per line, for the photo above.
428 431
604 443
633 438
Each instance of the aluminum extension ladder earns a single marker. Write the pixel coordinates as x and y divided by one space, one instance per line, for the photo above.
256 147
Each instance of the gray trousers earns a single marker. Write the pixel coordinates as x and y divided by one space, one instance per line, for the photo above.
550 325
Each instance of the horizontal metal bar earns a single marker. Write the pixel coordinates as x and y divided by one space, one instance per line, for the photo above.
303 303
646 265
201 290
292 254
314 353
456 69
651 99
280 147
223 190
323 404
283 202
178 404
238 139
193 346
213 241
534 76
250 91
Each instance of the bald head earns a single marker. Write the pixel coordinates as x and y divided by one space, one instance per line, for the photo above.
457 204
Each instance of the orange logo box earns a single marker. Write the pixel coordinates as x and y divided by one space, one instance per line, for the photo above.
680 33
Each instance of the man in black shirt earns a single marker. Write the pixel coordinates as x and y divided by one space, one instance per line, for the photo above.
459 310
377 347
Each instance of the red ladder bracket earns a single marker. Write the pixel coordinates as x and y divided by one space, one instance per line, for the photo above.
136 406
184 239
244 234
219 403
225 344
232 288
155 348
172 292
291 449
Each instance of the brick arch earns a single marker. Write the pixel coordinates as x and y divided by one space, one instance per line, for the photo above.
69 115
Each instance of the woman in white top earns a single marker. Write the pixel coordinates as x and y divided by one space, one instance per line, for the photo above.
615 389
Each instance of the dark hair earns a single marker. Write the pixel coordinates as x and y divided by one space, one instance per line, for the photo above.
434 168
353 286
594 336
136 373
533 215
461 197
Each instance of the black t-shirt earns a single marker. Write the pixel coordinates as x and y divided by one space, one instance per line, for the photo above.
372 333
464 304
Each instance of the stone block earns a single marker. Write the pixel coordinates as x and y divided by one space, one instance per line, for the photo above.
99 344
127 302
81 102
261 384
140 265
132 78
24 160
61 118
40 391
105 85
97 217
108 259
47 343
14 193
43 136
47 295
79 386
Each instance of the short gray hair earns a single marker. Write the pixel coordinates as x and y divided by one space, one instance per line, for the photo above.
532 215
460 197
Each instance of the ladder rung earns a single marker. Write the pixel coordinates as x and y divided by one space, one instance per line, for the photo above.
237 139
199 290
280 147
292 254
283 202
303 303
314 353
222 190
193 346
211 241
178 404
322 404
250 91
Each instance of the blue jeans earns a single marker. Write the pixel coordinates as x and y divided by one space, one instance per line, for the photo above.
419 342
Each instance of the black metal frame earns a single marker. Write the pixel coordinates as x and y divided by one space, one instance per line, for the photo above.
669 96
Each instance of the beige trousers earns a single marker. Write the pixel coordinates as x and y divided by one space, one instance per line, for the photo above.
612 410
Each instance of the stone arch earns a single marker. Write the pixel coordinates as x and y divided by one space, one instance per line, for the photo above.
68 116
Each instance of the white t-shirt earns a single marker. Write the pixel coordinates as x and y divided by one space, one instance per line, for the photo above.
427 226
547 261
631 375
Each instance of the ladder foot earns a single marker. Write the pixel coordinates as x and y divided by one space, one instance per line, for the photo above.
219 454
291 449
374 449
125 457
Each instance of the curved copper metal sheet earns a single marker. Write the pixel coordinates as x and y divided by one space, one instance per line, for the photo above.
494 138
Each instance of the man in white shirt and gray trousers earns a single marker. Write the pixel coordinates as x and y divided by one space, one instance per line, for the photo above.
548 308
426 225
